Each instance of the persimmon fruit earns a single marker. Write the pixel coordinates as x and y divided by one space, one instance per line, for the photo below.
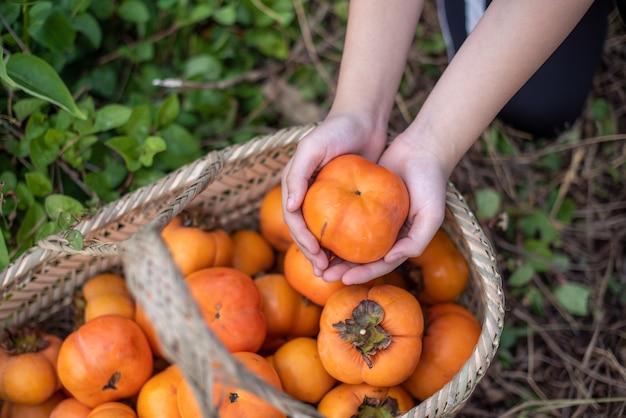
363 400
299 273
355 208
230 303
232 401
271 221
301 372
104 360
252 254
371 334
28 359
451 334
444 272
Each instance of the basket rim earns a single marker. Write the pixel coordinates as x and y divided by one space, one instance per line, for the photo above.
453 395
55 247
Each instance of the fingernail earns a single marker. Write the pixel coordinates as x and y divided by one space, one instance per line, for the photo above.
290 202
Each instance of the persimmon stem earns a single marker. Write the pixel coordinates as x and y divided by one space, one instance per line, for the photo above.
111 384
375 408
20 340
363 330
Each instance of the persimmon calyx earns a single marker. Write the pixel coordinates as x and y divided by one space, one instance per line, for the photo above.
23 340
112 383
364 331
375 408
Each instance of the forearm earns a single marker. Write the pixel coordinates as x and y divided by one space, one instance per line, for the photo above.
378 37
508 45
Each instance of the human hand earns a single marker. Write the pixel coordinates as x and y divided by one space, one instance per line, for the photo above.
425 177
336 135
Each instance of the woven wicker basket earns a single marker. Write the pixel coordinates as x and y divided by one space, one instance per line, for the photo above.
228 185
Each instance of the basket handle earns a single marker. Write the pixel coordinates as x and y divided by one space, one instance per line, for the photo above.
158 286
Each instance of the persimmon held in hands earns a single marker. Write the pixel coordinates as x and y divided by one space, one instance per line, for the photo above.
355 208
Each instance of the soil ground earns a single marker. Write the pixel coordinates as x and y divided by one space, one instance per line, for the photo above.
551 363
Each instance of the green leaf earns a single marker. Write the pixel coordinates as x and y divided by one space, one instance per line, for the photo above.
46 229
25 197
80 151
103 9
26 107
56 204
34 219
488 203
566 211
38 184
227 15
4 253
36 125
44 151
199 13
80 6
521 275
4 76
600 109
182 147
86 24
110 117
151 146
140 122
37 78
128 148
269 41
573 297
134 11
538 222
541 254
168 111
75 239
166 4
204 65
55 32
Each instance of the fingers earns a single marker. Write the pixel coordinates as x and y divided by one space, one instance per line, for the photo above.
350 273
419 235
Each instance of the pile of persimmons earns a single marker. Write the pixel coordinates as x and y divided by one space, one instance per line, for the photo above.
348 350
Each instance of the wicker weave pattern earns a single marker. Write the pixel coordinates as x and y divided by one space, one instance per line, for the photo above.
227 186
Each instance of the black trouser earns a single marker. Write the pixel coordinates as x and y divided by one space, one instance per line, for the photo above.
555 96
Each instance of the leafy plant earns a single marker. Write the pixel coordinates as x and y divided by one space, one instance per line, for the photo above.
535 233
99 98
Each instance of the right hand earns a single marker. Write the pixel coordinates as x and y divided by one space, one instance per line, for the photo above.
336 135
